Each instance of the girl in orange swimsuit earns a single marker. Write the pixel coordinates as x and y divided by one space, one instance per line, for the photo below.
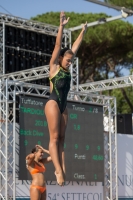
35 165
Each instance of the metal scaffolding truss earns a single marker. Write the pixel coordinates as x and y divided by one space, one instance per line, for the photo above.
7 144
108 84
31 25
42 72
11 85
9 20
28 75
8 91
2 49
74 69
38 72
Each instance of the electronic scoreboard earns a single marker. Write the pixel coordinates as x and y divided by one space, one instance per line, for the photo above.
84 138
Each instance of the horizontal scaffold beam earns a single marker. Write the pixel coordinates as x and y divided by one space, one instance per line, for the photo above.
36 73
40 90
99 22
108 84
91 87
28 75
31 25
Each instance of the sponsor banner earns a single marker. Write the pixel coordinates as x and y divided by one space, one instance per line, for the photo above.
125 165
71 191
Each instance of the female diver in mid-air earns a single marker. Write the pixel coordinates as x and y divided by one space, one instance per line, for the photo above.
35 165
55 108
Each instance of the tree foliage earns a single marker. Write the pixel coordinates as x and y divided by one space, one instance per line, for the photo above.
106 49
124 97
122 106
121 3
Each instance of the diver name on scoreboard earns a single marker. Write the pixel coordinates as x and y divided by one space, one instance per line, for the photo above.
79 176
30 132
78 108
80 156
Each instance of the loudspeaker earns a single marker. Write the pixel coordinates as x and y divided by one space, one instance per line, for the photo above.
124 123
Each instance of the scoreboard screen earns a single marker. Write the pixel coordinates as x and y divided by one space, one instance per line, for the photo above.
84 139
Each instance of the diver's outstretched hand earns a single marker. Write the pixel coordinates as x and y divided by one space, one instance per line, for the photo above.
63 20
84 27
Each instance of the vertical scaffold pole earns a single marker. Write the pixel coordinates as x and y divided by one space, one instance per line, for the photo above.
14 143
3 48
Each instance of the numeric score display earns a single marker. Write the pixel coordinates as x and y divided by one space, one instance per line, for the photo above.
84 140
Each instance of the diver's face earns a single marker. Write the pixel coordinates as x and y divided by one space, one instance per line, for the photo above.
39 154
66 60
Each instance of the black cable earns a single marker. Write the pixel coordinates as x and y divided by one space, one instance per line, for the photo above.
5 10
